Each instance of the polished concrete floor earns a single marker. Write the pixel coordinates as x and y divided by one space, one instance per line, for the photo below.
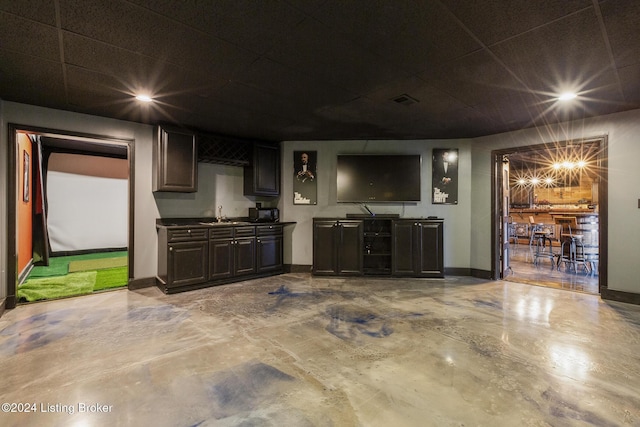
297 350
545 272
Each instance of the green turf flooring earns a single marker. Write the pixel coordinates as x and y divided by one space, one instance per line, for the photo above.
55 280
59 266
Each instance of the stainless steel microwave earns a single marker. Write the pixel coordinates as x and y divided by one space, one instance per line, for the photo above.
264 214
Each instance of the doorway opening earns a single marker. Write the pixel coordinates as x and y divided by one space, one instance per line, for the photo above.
550 215
70 214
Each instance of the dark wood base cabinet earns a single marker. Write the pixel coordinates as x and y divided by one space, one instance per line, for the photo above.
378 246
232 252
269 248
417 248
201 256
183 258
337 246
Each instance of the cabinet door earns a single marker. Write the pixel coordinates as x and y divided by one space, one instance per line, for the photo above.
430 253
188 263
221 258
245 256
262 177
175 163
269 253
325 247
404 244
350 253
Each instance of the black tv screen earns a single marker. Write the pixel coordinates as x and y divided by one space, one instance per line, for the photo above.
378 178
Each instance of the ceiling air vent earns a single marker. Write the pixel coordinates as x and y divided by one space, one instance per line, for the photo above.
405 99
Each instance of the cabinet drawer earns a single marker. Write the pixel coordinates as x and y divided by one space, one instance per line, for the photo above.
245 231
268 230
221 233
185 234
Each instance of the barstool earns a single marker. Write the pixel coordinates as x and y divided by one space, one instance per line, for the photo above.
592 261
534 229
538 235
541 239
572 249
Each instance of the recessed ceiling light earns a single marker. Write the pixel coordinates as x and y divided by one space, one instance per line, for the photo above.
567 96
144 98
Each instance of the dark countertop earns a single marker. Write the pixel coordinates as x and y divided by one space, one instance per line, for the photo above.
379 217
211 222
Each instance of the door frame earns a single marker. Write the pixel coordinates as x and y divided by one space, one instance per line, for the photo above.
12 253
602 161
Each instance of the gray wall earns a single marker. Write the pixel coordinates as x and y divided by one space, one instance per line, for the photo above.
218 185
467 225
457 217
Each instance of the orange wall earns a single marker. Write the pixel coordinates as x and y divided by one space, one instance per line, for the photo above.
24 224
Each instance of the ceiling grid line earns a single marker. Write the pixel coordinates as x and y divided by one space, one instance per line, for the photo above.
605 38
63 63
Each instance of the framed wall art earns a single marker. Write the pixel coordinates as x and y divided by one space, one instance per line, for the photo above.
305 187
444 181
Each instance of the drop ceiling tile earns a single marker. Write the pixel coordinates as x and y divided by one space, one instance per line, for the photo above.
434 36
28 37
42 11
630 78
145 32
467 123
415 36
248 97
366 26
298 88
108 59
91 89
474 78
252 25
46 81
515 114
495 20
214 116
430 99
136 71
328 57
622 24
558 56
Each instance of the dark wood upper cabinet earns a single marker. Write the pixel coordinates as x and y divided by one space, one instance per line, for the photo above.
175 160
262 176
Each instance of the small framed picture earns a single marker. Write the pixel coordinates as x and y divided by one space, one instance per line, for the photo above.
26 188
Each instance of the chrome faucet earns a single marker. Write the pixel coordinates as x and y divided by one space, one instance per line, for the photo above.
219 217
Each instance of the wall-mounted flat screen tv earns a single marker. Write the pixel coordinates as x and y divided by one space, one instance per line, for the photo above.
378 178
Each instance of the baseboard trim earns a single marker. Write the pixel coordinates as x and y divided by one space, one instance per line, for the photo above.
297 268
481 274
620 296
448 271
457 271
10 302
145 282
2 307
